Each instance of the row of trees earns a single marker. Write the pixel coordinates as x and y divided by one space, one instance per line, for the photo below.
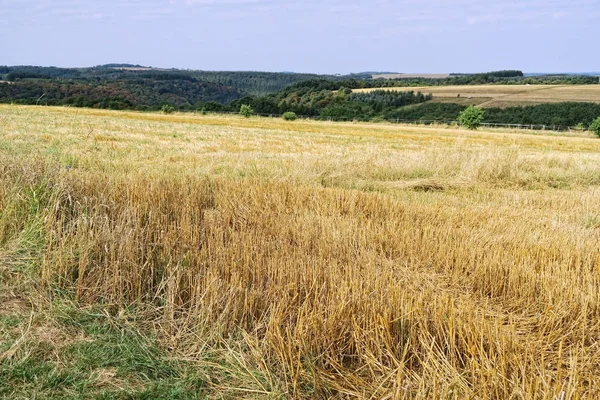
562 114
477 79
472 117
488 79
558 114
507 73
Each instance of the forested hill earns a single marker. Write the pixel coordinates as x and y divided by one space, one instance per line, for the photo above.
255 83
125 86
138 94
249 82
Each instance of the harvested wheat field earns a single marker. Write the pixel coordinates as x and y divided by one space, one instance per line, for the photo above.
507 95
258 258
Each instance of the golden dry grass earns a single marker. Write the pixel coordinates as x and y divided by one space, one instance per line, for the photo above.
338 260
510 95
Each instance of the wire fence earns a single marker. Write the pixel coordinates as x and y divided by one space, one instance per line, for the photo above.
536 127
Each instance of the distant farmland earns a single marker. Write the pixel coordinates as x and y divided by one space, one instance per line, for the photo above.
397 76
502 96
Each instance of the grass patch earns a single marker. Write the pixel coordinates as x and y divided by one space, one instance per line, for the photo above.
82 354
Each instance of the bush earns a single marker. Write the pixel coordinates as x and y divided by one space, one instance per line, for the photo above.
471 117
246 110
167 109
290 116
595 127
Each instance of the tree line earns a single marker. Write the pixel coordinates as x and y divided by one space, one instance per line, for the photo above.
507 73
552 114
477 79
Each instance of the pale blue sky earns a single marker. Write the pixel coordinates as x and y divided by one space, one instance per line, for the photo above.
324 36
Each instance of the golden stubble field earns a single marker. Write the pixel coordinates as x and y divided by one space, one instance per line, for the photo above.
327 259
490 96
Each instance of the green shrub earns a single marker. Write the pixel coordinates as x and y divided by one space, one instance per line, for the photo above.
167 109
595 127
290 116
471 117
246 110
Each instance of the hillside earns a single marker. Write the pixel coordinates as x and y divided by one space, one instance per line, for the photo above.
352 97
139 93
249 82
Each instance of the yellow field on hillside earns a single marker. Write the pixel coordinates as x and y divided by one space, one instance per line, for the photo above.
317 260
508 95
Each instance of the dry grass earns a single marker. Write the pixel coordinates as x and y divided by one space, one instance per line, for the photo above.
325 260
510 95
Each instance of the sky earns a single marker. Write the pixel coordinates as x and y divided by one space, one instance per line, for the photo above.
320 36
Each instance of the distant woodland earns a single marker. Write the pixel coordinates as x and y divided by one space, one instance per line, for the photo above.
132 87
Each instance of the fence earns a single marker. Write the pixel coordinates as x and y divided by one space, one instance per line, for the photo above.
537 127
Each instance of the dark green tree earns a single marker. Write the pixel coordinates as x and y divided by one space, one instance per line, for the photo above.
471 118
246 110
290 116
167 109
595 127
